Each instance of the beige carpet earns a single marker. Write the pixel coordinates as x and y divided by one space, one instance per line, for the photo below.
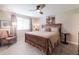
22 48
66 49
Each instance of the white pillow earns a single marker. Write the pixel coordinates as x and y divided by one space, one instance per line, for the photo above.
54 29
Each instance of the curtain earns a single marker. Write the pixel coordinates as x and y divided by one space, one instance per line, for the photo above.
13 24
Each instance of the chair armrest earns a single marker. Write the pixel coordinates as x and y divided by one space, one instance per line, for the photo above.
2 37
10 36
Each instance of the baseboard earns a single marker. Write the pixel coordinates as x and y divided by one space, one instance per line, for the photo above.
72 42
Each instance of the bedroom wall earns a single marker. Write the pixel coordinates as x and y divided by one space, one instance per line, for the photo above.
69 19
70 23
5 15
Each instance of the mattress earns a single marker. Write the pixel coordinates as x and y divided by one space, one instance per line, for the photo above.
52 36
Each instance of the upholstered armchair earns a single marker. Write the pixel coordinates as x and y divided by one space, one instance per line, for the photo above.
6 38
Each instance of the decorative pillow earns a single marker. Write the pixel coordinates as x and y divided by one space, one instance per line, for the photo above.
48 29
51 29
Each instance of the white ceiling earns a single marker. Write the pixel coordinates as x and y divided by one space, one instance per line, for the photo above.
50 9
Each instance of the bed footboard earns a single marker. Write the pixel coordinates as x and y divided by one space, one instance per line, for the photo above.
39 42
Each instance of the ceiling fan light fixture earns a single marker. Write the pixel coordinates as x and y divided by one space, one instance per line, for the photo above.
38 10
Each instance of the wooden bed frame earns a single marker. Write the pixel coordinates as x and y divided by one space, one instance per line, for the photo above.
40 42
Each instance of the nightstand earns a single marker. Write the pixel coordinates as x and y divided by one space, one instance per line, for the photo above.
65 38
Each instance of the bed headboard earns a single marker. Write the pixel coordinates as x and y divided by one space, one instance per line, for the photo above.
53 25
59 26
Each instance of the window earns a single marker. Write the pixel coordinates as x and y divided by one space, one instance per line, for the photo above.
23 23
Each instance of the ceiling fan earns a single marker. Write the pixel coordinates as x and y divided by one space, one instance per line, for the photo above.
39 8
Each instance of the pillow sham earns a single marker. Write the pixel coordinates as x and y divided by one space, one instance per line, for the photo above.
54 29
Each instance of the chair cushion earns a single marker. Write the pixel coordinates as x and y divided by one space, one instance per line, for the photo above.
9 38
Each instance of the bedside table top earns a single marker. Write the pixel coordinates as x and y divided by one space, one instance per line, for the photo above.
66 33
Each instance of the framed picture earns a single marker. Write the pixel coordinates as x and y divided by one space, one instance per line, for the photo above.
50 20
4 23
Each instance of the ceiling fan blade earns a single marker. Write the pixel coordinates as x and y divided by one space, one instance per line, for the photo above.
32 10
40 6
